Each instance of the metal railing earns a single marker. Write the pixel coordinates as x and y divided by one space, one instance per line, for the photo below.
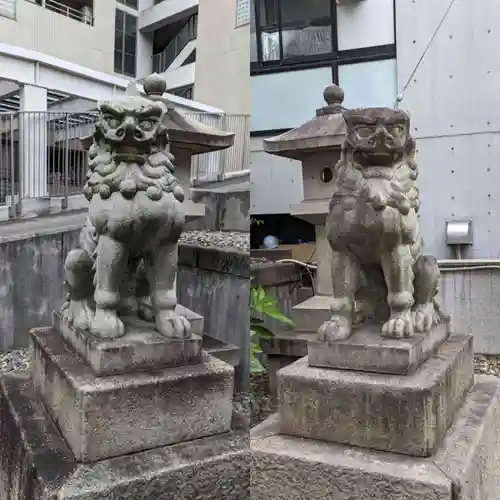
41 155
83 15
218 165
163 60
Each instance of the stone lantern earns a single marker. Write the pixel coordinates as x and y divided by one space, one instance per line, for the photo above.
317 144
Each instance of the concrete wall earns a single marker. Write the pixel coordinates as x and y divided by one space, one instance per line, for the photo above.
223 211
215 284
211 282
37 28
276 182
222 61
453 99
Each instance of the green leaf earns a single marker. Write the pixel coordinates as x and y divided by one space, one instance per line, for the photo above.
263 332
256 366
256 321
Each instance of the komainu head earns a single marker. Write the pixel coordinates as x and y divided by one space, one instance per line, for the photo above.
130 150
132 127
377 136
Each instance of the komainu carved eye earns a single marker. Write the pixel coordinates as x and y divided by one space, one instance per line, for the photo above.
112 121
364 131
146 125
398 129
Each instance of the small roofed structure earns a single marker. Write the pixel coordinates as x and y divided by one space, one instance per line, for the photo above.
317 144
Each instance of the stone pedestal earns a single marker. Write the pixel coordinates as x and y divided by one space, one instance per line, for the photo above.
393 420
141 416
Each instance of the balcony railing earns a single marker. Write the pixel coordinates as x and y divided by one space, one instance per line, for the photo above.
163 60
83 15
41 155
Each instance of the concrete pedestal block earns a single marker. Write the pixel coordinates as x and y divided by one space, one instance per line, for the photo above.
36 463
367 350
401 414
466 465
311 314
103 417
141 348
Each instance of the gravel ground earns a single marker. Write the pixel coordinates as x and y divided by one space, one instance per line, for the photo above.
239 241
258 405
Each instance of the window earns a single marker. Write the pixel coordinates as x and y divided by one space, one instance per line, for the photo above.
125 43
305 33
186 92
130 3
242 13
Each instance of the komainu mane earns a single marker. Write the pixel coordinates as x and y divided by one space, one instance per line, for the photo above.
379 270
127 259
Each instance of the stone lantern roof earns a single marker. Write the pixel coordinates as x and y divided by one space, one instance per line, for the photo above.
184 132
323 133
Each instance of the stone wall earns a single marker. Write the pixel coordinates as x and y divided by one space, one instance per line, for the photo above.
212 282
223 211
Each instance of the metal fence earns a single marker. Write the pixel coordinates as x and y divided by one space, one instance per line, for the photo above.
219 165
84 14
41 155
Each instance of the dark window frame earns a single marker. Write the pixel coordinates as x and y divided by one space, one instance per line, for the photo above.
135 3
123 35
334 59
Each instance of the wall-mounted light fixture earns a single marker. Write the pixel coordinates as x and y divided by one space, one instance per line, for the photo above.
458 233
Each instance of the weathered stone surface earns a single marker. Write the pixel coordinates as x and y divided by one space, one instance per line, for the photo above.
367 350
465 467
402 414
311 314
36 463
102 417
141 348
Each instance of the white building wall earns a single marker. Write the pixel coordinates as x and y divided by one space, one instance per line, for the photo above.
454 102
222 57
40 29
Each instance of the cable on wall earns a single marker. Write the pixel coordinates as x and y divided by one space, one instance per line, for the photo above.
400 96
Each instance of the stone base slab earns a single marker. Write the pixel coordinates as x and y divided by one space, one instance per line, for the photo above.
367 350
36 463
141 348
396 413
466 465
309 315
103 417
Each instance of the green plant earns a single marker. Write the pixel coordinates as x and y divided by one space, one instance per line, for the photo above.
262 305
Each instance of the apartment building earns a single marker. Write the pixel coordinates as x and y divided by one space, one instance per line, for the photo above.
130 39
64 56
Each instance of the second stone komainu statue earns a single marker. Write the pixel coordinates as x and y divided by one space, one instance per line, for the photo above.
127 259
379 270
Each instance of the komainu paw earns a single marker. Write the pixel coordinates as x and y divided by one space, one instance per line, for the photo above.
172 325
399 325
337 328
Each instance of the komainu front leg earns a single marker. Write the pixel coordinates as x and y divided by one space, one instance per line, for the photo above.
78 277
162 271
426 283
398 273
110 266
345 276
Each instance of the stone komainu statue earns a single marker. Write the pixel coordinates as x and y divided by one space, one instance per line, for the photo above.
373 229
126 262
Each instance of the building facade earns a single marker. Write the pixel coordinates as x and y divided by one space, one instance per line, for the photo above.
439 57
63 56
